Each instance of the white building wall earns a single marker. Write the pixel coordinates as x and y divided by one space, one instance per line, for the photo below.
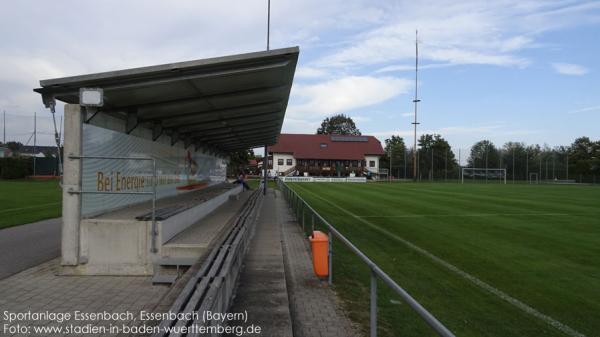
368 159
282 168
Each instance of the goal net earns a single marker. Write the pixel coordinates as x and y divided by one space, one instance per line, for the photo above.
485 175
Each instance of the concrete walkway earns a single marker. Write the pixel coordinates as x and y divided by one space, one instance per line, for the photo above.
262 291
40 289
25 246
314 306
278 287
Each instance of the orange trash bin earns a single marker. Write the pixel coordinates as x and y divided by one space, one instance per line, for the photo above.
319 243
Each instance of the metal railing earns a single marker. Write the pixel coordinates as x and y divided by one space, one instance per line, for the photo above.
153 249
299 205
213 286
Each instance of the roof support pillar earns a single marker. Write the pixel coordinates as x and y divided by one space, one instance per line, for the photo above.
71 205
265 170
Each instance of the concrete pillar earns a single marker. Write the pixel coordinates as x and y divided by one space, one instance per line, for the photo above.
71 212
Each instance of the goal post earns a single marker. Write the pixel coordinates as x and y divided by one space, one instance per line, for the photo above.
482 174
533 178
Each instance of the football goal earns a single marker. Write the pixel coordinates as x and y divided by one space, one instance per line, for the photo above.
533 178
486 175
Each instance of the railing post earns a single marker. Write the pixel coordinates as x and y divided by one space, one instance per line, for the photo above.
303 221
373 315
313 223
330 259
154 229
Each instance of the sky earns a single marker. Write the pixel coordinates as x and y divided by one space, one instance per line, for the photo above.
500 70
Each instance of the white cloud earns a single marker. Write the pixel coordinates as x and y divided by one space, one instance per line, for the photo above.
361 119
411 67
310 72
569 69
407 114
587 109
343 95
459 32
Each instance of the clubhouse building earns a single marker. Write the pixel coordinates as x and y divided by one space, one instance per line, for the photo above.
325 155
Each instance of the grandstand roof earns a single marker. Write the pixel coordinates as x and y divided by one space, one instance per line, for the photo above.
304 146
228 103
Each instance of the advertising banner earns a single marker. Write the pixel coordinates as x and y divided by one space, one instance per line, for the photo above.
178 170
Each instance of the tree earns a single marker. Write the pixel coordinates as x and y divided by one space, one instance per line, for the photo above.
585 156
239 160
484 154
15 147
338 125
515 153
433 147
396 147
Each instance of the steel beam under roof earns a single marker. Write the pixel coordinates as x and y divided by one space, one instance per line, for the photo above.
229 103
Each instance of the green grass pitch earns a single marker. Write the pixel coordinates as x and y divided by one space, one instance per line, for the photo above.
25 201
536 244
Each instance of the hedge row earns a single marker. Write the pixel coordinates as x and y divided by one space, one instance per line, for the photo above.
16 167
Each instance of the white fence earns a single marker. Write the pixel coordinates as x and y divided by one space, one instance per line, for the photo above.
324 179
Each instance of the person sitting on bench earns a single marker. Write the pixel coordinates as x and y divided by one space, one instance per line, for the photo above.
241 179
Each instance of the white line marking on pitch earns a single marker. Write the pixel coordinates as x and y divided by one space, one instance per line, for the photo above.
502 295
461 215
30 207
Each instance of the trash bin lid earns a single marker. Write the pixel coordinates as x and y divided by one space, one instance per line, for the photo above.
318 236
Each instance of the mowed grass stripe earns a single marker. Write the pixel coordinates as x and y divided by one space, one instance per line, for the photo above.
29 207
436 206
502 295
537 259
25 201
504 198
557 246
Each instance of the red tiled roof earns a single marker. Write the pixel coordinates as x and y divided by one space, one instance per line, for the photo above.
304 146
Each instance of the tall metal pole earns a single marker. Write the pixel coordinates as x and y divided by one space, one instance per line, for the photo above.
34 140
513 170
268 22
553 156
446 166
432 164
486 162
415 101
405 162
266 157
4 123
390 173
540 154
567 165
265 170
526 165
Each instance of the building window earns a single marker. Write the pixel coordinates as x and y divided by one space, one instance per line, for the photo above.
289 162
323 145
279 161
371 163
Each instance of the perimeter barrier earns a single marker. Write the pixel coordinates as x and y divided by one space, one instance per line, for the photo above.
299 207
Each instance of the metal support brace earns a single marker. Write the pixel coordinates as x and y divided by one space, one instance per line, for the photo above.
90 113
174 137
157 131
132 121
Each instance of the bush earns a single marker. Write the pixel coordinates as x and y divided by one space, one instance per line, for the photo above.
16 167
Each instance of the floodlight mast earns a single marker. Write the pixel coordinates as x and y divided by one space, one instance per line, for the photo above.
266 157
416 100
